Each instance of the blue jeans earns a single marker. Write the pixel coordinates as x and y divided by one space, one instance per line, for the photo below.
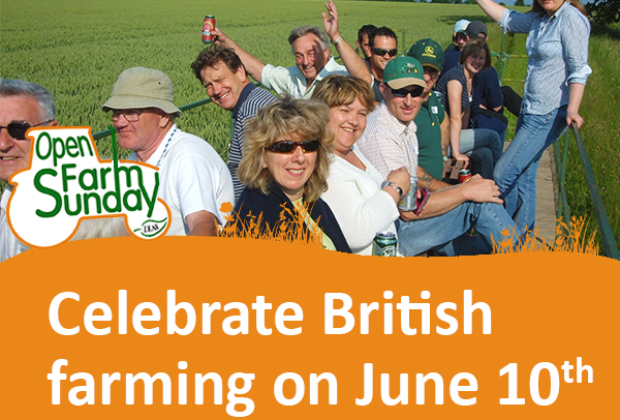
484 121
473 142
489 220
515 173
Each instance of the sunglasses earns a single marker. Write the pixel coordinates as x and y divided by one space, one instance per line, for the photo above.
287 146
17 129
402 93
382 52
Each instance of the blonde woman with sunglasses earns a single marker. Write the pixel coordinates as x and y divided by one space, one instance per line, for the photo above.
284 167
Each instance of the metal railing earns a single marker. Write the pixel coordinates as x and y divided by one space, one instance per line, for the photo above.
563 211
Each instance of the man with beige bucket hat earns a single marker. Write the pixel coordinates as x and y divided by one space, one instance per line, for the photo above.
194 180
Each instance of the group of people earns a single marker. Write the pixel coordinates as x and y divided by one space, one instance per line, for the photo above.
343 141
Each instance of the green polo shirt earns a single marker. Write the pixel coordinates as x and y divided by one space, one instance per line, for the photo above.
429 119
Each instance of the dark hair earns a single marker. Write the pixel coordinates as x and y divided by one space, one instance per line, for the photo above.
473 48
537 8
212 55
382 31
365 30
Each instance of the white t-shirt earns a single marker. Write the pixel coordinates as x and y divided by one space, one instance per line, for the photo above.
192 178
9 244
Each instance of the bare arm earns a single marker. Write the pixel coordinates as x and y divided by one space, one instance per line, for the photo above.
445 135
574 101
477 189
455 90
201 223
352 61
427 180
492 9
252 64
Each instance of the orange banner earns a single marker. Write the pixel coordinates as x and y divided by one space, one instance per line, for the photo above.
219 328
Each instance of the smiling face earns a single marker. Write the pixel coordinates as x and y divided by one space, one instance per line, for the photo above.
378 62
475 63
431 75
310 57
348 123
15 154
550 6
223 86
404 109
291 171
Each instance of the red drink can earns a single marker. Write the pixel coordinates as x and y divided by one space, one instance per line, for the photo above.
464 176
207 28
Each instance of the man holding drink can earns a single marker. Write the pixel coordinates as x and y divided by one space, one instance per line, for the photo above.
390 142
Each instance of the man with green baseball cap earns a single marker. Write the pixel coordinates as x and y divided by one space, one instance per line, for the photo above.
194 180
390 143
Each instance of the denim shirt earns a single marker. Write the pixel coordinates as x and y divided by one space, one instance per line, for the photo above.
557 47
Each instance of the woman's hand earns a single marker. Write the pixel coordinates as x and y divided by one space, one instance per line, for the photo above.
461 158
402 178
574 116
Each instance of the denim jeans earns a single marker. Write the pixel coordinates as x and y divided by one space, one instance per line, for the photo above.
484 121
489 220
515 173
473 142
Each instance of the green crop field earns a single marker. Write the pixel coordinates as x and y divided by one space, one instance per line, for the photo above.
77 49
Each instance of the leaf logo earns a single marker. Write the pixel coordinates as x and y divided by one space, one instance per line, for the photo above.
152 228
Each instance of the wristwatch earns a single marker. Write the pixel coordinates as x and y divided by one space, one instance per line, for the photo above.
396 187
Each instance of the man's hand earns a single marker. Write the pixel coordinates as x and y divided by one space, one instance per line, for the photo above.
330 21
481 190
219 37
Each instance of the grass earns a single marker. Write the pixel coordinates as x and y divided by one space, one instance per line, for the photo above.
77 49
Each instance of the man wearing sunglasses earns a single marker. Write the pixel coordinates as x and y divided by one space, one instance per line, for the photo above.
193 179
22 105
313 60
384 47
390 143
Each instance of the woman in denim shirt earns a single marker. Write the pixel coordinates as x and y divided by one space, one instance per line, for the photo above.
557 70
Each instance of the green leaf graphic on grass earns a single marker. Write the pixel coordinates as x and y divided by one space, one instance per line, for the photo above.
156 232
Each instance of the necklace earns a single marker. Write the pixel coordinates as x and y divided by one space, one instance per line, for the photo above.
166 146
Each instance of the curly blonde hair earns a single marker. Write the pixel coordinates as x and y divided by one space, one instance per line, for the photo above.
284 118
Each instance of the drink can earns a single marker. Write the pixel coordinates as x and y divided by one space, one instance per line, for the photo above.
407 202
207 28
385 244
464 176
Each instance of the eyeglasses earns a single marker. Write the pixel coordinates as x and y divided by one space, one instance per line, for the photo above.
382 52
131 115
17 129
402 93
287 147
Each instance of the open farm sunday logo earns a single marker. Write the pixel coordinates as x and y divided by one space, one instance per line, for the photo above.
67 181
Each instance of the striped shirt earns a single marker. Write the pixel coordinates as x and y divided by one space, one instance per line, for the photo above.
252 99
557 47
388 143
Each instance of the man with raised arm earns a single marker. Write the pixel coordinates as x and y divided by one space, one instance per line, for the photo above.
22 105
193 179
383 47
221 72
313 60
390 142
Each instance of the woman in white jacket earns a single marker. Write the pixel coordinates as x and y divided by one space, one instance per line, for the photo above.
362 202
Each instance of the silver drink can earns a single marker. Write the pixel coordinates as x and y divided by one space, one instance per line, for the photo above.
385 244
407 202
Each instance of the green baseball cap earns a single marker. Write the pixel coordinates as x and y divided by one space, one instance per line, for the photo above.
401 72
428 52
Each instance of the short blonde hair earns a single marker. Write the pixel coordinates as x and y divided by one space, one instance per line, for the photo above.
285 117
337 90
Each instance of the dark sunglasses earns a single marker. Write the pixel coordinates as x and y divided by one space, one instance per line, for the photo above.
17 129
402 93
382 52
287 146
